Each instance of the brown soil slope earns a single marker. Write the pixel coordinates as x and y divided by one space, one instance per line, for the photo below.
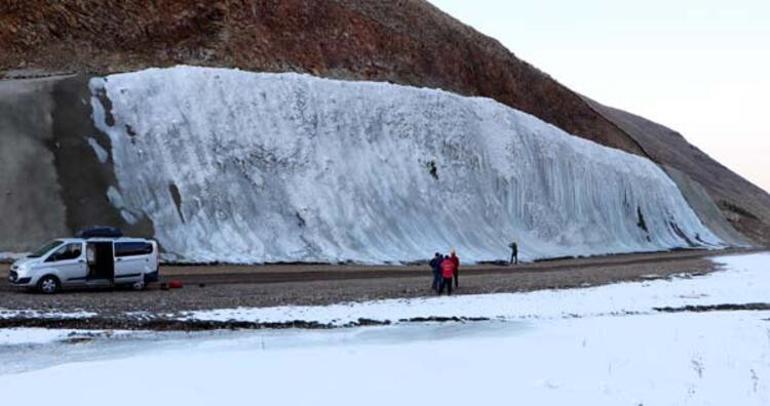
402 41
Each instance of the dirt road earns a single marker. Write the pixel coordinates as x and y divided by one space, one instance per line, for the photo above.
225 286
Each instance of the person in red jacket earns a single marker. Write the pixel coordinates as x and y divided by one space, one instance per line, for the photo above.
453 257
448 270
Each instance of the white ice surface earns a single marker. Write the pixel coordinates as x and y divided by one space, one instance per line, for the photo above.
287 167
662 359
745 279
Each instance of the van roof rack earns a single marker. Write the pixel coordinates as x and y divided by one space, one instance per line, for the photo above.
103 232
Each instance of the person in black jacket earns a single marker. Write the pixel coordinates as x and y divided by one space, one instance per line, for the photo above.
514 252
435 266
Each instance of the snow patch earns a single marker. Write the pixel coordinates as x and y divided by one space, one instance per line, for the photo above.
116 199
37 314
15 336
100 152
743 280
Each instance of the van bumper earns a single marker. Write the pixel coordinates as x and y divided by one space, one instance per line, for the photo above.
13 277
151 277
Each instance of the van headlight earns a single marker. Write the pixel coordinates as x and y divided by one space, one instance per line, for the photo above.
21 270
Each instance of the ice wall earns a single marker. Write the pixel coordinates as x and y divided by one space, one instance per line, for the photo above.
253 167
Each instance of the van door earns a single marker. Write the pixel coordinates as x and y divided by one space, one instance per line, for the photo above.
131 259
70 263
101 261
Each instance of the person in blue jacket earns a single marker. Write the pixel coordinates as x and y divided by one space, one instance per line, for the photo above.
435 266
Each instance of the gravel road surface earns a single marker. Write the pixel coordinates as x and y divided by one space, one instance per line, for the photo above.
226 286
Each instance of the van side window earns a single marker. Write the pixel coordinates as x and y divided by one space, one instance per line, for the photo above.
67 252
129 249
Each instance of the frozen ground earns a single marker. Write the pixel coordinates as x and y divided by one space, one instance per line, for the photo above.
247 167
593 352
745 280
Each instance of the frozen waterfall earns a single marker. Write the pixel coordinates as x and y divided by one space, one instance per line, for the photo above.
253 167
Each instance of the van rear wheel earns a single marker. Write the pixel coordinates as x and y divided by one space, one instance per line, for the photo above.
138 285
48 285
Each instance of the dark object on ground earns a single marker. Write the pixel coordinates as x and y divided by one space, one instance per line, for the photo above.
716 308
433 169
100 232
170 324
164 286
201 285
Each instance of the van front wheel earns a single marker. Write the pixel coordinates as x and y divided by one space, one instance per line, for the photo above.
48 285
139 285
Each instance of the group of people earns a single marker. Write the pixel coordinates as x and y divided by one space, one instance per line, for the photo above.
445 272
446 269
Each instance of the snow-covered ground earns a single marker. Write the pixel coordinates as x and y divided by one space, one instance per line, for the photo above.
38 314
31 336
746 279
599 355
251 167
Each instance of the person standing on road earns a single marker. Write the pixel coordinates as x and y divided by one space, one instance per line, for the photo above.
456 261
448 270
514 252
435 266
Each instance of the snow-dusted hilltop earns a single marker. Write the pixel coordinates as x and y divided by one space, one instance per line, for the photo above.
245 167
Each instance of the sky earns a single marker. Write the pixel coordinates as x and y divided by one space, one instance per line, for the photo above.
701 67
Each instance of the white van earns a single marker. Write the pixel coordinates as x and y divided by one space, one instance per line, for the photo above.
88 262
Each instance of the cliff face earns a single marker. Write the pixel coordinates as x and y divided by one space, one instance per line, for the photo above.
253 167
401 41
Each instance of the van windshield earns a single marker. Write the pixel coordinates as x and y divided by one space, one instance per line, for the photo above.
44 249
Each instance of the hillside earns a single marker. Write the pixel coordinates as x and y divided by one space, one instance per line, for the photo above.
401 41
408 42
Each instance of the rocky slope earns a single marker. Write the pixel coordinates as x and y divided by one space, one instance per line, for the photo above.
744 205
402 41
